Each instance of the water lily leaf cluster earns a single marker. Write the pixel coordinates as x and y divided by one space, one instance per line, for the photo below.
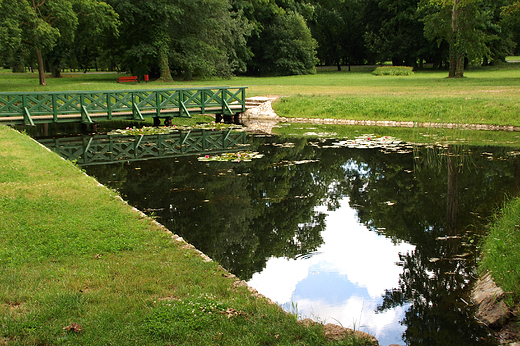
152 130
369 141
232 157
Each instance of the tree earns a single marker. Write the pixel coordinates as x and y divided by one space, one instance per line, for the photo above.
203 38
338 28
510 22
144 41
43 25
97 23
39 23
395 35
466 31
288 47
281 42
214 44
10 30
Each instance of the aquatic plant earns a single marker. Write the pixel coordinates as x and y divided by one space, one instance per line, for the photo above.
232 157
153 130
369 141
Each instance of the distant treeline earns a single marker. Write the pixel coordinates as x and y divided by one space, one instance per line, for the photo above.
206 38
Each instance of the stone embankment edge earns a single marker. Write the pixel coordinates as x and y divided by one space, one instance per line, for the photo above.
410 124
332 331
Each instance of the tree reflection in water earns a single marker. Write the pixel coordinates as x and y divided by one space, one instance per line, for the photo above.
241 214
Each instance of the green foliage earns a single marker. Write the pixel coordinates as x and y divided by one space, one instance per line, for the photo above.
393 71
281 42
338 26
155 37
291 48
393 34
56 28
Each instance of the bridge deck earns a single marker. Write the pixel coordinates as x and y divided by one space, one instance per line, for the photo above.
90 106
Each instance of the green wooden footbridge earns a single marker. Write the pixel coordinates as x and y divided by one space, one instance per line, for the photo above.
89 107
107 149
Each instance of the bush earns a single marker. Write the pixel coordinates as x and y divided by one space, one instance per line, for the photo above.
393 71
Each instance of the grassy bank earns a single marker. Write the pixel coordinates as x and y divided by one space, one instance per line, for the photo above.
80 267
501 250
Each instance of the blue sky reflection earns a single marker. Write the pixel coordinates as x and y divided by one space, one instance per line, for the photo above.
343 282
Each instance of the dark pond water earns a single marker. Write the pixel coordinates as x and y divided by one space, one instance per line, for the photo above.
377 239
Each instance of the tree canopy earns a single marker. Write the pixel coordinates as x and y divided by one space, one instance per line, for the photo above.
205 38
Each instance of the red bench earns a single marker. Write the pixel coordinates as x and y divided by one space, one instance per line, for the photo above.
127 79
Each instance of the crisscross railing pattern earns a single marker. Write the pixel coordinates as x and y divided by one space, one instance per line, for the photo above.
103 149
88 106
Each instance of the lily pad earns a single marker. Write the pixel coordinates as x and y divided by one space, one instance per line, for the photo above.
152 130
241 156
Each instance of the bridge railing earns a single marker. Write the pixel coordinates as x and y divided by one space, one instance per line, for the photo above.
45 107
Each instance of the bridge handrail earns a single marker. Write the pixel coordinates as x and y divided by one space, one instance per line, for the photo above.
112 101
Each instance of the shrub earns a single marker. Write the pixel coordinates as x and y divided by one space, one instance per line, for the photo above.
393 71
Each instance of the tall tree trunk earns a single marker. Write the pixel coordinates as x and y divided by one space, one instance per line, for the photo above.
41 69
456 50
164 64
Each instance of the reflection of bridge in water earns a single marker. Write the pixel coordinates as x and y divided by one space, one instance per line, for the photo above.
105 149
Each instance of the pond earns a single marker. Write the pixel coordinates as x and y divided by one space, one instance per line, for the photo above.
382 238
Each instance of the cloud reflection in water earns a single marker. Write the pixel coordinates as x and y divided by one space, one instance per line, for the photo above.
343 282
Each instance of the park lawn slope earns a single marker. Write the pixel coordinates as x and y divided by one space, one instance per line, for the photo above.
78 266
